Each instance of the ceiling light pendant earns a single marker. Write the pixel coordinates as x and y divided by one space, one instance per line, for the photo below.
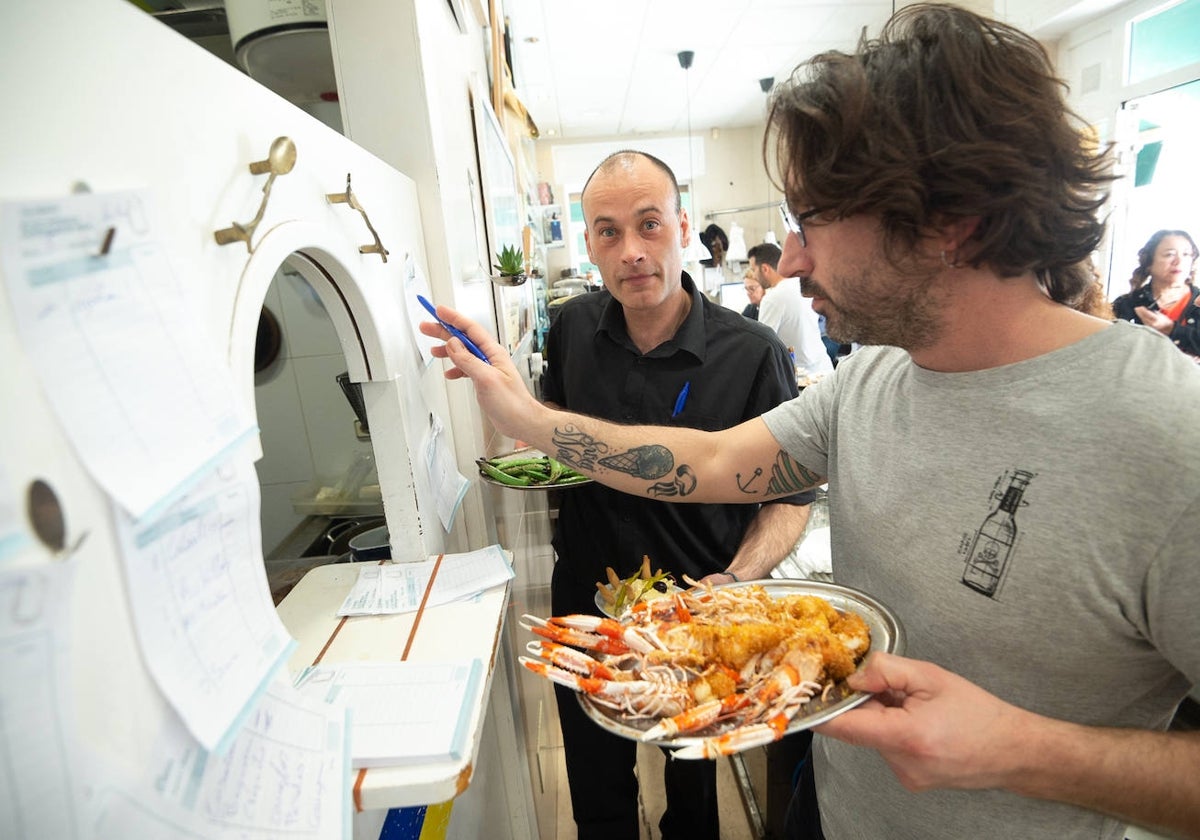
685 61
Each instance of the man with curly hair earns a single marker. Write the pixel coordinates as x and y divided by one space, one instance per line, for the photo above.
942 207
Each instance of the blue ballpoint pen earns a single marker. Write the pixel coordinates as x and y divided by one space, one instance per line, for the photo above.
681 399
454 331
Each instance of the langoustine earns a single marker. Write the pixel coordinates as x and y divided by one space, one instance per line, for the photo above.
730 666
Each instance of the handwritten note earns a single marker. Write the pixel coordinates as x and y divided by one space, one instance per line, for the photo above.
121 351
401 712
416 284
399 587
201 606
13 536
38 782
286 775
448 484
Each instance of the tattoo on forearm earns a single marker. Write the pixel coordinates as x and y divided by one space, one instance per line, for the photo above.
582 451
787 476
745 487
683 484
577 449
651 461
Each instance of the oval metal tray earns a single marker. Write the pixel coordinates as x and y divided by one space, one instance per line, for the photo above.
528 452
886 634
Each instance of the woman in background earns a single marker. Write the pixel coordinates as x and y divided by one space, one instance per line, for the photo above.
1170 302
754 292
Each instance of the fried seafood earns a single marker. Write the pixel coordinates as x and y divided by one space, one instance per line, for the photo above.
735 663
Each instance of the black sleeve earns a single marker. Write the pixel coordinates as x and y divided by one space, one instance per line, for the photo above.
1186 334
552 383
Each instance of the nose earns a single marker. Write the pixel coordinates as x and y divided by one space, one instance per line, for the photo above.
794 261
631 250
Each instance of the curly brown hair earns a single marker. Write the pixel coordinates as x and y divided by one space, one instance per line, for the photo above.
946 115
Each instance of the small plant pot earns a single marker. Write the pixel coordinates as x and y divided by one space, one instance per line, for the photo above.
509 279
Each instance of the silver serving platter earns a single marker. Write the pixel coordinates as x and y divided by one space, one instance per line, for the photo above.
886 635
528 452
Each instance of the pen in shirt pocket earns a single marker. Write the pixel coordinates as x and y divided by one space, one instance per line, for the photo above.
681 400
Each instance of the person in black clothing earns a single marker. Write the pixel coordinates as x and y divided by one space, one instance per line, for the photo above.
1170 302
754 291
650 347
716 241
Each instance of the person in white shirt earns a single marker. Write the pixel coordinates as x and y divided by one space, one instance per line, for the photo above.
786 311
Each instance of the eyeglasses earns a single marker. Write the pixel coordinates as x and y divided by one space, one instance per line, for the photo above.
795 224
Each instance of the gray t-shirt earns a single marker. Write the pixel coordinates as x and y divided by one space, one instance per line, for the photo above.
1034 528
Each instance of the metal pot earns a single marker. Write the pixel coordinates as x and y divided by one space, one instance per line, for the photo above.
338 535
371 545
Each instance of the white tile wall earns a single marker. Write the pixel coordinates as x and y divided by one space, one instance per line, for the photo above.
306 423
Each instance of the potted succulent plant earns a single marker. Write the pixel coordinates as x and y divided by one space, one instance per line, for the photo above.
510 262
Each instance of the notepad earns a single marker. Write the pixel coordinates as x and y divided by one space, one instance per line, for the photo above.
399 587
400 712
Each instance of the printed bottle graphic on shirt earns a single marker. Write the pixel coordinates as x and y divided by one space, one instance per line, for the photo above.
990 550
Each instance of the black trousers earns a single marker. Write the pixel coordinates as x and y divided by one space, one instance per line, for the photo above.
604 789
600 765
803 816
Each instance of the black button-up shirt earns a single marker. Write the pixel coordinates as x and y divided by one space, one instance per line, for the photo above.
735 369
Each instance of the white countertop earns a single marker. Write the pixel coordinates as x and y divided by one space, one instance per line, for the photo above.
465 629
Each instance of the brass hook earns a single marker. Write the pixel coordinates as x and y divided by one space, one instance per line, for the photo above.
280 160
348 197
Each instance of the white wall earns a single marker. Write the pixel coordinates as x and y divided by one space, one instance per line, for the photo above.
406 98
1091 58
306 424
729 174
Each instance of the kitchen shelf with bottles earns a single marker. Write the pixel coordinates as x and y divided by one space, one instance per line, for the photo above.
551 225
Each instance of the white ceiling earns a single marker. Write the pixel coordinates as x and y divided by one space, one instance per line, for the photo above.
590 70
599 69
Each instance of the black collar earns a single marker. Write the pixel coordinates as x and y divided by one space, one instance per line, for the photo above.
690 337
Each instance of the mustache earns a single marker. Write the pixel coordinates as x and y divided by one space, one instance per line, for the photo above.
811 288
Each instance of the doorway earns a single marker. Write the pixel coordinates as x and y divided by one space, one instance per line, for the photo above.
1162 183
318 464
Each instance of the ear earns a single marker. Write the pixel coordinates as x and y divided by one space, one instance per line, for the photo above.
685 229
953 232
587 242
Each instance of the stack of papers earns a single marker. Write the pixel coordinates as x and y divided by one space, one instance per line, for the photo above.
400 712
399 587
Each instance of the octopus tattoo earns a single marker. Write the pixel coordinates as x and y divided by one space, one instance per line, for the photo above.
683 484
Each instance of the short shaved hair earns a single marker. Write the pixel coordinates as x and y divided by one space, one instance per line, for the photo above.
625 159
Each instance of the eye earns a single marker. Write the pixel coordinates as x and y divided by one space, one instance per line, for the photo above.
651 224
607 232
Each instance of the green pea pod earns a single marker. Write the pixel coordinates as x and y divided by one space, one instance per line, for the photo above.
503 477
511 464
556 470
573 478
536 476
